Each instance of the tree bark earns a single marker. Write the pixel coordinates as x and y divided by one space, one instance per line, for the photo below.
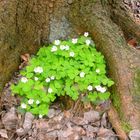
23 28
123 61
121 16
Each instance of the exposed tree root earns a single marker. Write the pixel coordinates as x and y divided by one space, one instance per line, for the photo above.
116 124
123 60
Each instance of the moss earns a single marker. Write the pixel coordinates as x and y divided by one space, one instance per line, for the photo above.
137 79
136 92
126 126
117 104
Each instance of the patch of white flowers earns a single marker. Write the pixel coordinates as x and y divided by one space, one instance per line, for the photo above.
67 47
38 70
50 90
30 101
86 34
74 40
24 80
36 78
90 88
101 89
82 74
97 70
88 42
23 105
62 47
53 49
40 116
37 102
57 42
72 54
48 80
52 77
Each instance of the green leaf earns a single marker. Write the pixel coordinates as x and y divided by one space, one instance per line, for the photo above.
92 96
43 109
110 83
35 111
104 96
29 75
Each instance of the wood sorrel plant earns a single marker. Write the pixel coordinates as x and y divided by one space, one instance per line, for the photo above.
70 67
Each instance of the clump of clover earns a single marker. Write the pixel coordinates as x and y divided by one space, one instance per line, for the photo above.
70 67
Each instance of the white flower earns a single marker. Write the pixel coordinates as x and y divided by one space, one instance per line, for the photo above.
67 47
30 101
90 88
82 74
54 48
40 116
37 102
48 80
86 34
72 54
98 88
38 70
23 105
24 79
103 89
36 78
62 47
52 77
50 90
88 42
74 40
57 42
97 70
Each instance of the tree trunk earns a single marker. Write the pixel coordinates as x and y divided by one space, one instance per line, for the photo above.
27 25
123 61
23 27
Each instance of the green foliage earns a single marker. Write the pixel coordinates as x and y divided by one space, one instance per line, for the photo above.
70 67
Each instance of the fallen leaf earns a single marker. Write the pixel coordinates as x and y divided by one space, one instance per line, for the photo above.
25 57
3 133
9 120
28 121
134 134
132 42
91 116
79 121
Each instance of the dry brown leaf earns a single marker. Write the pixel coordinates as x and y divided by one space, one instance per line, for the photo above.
3 133
25 57
91 116
28 121
67 114
134 135
9 120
